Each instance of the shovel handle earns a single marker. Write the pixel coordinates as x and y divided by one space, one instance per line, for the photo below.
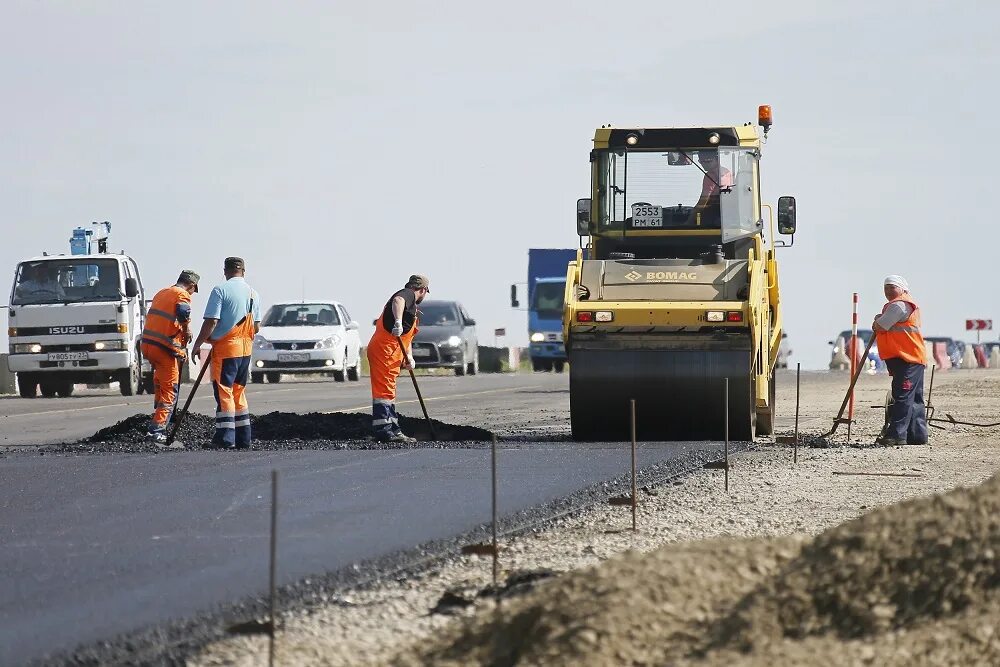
187 403
416 388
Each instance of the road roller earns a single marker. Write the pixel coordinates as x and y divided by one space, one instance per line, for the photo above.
673 300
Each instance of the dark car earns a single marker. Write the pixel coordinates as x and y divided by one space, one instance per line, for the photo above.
874 362
446 338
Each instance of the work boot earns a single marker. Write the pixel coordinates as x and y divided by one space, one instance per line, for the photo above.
889 441
157 438
394 437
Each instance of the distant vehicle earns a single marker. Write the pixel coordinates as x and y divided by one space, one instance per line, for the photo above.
783 352
306 337
546 295
955 348
77 318
840 343
446 338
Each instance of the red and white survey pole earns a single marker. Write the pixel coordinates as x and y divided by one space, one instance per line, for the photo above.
854 362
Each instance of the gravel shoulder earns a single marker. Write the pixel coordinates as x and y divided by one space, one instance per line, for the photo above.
769 498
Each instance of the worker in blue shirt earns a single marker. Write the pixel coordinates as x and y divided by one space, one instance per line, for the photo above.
232 319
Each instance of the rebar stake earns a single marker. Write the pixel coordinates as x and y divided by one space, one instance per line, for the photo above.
274 557
726 403
798 382
496 551
633 467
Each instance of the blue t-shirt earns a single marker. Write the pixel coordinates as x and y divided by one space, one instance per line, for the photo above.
229 303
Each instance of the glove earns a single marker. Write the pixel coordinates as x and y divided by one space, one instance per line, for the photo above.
410 363
397 328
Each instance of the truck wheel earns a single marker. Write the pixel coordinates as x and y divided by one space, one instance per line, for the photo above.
257 378
65 389
558 366
27 386
128 378
49 388
273 378
147 385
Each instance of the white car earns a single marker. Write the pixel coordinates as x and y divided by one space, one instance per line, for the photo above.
306 337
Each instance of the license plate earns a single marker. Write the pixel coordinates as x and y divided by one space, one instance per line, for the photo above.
646 216
68 356
421 352
293 357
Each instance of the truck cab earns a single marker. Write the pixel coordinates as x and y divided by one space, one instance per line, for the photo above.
76 319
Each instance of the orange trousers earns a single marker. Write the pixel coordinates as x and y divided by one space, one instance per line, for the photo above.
166 384
385 359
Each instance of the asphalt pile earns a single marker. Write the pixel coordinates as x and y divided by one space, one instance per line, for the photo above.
282 430
914 583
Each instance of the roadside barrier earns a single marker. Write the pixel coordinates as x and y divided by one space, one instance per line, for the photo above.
929 354
969 358
941 356
995 357
982 360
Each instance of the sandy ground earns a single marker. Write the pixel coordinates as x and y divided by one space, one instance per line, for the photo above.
769 497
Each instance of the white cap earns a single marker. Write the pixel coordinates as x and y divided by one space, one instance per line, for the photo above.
898 281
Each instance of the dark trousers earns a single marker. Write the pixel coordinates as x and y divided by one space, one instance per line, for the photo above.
907 414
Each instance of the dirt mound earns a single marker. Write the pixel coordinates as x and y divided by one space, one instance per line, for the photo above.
915 583
284 430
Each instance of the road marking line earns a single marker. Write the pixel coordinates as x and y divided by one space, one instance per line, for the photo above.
51 412
434 398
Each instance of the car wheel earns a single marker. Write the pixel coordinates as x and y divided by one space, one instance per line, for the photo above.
49 388
147 384
257 378
339 376
65 389
128 378
27 386
474 366
460 370
273 378
354 374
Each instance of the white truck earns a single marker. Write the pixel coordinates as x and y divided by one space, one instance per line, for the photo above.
76 318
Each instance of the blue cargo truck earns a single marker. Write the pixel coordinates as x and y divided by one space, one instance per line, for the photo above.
546 288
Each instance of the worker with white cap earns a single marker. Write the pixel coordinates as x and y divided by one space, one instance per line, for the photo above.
901 345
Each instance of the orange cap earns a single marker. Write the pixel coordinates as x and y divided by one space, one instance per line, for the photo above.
764 118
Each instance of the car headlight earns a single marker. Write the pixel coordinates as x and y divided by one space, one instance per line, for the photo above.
105 345
537 337
453 341
26 348
328 342
261 343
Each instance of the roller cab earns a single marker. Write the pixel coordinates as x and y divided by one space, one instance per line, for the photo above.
678 293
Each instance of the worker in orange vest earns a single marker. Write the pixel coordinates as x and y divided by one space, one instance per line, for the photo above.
164 343
232 319
901 345
389 349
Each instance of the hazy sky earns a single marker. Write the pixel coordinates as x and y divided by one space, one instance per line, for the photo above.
347 145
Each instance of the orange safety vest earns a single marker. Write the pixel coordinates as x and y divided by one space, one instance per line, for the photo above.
903 340
238 341
163 329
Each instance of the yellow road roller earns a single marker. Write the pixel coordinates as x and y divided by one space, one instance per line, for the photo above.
674 293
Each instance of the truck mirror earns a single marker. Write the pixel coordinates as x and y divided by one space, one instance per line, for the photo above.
583 217
786 215
513 297
131 287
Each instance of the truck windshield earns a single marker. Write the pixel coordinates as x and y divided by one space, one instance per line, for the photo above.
678 189
548 300
301 314
66 281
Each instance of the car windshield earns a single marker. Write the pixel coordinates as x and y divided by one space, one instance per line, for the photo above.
438 314
548 300
301 315
66 281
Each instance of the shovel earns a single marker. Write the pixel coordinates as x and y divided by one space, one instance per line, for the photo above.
420 398
187 403
847 397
